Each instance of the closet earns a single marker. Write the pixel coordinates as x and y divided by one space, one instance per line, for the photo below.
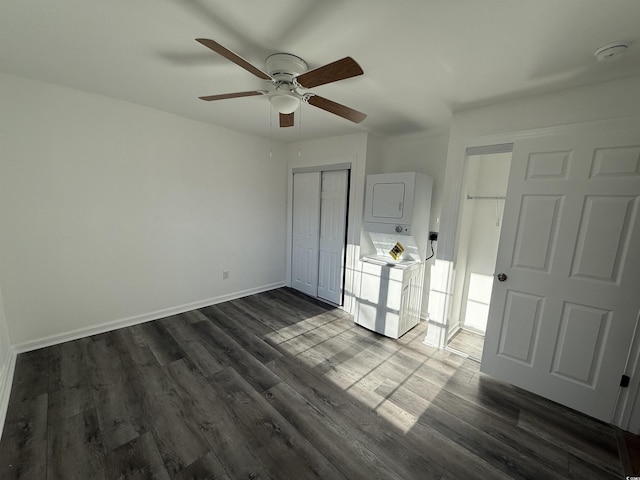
319 226
482 205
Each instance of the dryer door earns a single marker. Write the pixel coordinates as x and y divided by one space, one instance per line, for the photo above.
389 198
388 201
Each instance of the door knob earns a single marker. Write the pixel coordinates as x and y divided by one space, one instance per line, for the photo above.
501 277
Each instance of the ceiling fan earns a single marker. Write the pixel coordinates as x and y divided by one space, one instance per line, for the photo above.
290 80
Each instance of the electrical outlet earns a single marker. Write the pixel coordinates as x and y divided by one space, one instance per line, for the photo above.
225 274
433 236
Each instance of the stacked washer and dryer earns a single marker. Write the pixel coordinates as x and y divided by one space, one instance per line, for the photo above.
396 224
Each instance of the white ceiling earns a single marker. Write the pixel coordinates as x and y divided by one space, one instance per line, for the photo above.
422 59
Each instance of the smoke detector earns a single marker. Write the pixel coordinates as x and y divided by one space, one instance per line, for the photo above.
611 51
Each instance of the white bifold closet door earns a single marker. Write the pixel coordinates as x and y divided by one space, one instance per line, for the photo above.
319 233
306 232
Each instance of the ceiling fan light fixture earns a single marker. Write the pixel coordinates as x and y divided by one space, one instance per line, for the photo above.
284 103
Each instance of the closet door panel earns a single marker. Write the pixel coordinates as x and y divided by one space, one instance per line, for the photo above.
333 223
306 232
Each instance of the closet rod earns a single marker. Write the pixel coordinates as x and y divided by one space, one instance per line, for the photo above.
469 197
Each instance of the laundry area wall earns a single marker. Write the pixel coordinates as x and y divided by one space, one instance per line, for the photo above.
422 153
371 154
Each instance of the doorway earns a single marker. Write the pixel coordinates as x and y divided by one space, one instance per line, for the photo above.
564 313
482 205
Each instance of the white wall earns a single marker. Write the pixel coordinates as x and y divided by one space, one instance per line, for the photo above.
5 343
7 364
423 153
376 154
335 150
112 211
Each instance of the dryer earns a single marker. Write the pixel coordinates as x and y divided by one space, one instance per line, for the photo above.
397 207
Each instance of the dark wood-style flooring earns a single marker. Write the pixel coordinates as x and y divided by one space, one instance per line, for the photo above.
280 386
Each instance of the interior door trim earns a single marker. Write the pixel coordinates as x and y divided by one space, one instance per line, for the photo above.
322 168
490 149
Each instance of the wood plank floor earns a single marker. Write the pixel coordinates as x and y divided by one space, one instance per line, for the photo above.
279 386
467 343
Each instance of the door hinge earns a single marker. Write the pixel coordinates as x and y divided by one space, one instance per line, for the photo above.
624 381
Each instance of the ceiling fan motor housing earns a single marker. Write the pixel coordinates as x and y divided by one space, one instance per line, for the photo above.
284 67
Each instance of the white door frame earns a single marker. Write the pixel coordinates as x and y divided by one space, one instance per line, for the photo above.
457 307
625 417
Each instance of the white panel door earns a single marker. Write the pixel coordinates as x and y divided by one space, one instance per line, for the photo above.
306 232
562 322
333 223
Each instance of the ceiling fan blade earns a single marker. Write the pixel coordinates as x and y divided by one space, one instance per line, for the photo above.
286 120
335 108
231 95
229 55
338 70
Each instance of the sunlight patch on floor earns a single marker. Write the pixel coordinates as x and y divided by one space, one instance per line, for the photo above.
388 378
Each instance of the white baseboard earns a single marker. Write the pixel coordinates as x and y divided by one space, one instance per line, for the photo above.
136 319
6 380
